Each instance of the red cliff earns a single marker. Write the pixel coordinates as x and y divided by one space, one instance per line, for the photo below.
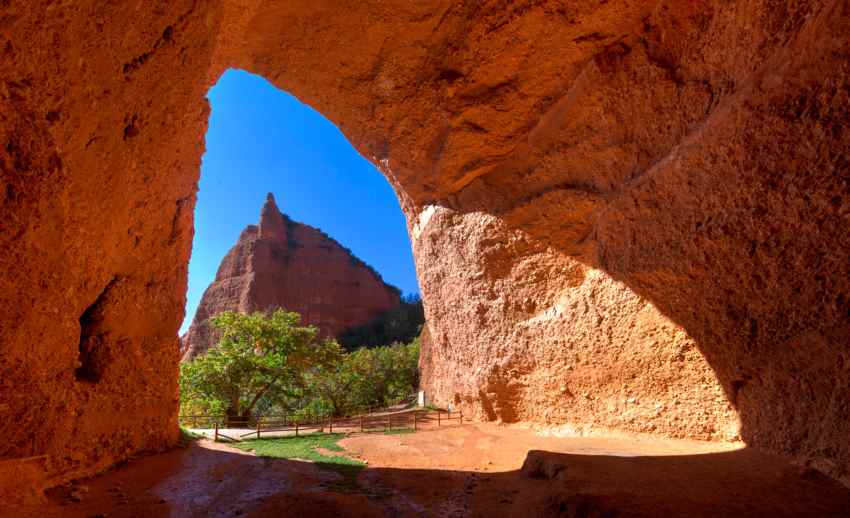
286 264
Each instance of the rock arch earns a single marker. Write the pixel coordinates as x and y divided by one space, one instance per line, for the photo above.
613 205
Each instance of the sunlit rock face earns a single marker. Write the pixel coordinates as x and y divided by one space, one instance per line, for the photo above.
281 263
557 342
625 215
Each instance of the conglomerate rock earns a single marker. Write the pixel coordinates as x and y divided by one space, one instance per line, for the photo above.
281 263
625 214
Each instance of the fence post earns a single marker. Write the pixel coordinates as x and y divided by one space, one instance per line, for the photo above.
296 428
460 419
438 418
259 420
215 436
331 425
414 421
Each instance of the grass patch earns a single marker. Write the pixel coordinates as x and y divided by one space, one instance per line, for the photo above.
305 447
187 437
400 431
394 431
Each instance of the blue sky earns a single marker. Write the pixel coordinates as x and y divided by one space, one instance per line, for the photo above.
260 140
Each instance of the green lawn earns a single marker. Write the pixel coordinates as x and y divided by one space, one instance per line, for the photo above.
187 436
304 447
399 431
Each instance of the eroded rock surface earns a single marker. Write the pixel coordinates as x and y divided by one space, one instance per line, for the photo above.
652 193
281 263
556 342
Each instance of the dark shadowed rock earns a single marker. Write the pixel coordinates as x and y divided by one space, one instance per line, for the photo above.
543 465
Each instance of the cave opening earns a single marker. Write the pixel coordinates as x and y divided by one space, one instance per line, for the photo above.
289 216
262 140
635 223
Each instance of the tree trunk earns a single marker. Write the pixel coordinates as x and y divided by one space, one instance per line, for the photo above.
235 419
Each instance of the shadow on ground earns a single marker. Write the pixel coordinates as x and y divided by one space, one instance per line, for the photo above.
209 479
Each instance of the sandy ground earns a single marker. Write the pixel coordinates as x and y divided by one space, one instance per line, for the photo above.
469 470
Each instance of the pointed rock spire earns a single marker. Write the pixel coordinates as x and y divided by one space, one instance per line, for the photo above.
282 263
272 225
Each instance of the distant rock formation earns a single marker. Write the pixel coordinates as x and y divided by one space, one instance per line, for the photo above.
283 263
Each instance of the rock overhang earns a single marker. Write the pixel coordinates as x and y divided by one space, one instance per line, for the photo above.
672 176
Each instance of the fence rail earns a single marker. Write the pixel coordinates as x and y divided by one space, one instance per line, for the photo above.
401 420
210 420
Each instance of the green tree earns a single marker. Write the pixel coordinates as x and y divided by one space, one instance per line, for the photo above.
333 387
377 376
390 373
259 357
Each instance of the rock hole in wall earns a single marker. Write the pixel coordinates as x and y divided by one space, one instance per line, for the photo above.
91 360
737 386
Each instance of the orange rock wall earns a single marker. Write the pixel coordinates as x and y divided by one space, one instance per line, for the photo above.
555 341
614 205
101 125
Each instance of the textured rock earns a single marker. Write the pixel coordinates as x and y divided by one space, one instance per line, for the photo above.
281 263
541 464
556 341
599 193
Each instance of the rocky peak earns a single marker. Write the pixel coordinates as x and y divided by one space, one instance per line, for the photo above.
272 224
281 263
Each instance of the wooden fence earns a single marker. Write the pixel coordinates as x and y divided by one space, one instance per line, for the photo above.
210 421
404 420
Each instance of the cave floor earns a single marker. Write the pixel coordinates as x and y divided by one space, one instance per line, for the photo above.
472 470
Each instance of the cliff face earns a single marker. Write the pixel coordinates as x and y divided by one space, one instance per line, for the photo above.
626 214
557 342
284 264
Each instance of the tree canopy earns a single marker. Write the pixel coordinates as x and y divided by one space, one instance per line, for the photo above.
269 363
368 377
259 357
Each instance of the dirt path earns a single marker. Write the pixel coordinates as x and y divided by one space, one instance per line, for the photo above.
474 470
